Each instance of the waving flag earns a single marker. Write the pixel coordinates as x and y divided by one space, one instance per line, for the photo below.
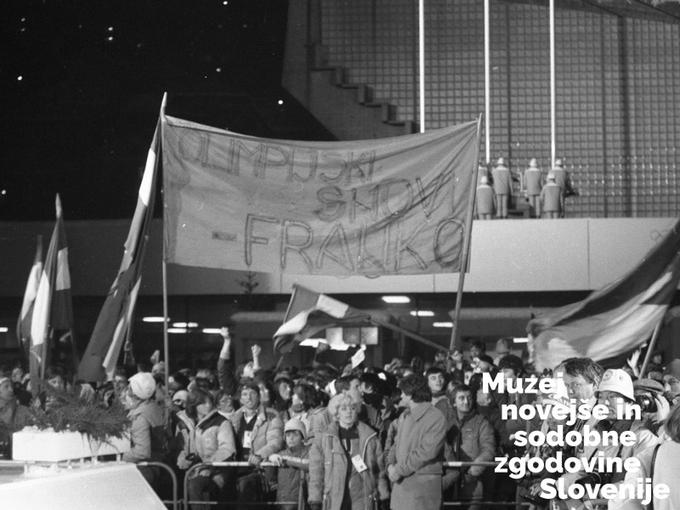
309 313
615 319
52 308
115 317
26 314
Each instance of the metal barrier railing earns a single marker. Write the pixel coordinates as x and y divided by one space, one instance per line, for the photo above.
301 503
482 503
175 500
234 464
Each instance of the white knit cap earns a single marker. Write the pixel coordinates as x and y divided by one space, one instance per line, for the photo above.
143 385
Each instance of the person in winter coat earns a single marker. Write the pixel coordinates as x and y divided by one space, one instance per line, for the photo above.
414 463
147 426
661 463
471 438
213 441
259 433
346 470
293 462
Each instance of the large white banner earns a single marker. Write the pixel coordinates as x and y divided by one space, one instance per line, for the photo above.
371 207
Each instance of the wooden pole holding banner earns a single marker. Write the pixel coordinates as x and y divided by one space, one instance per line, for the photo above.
408 333
650 349
455 330
166 342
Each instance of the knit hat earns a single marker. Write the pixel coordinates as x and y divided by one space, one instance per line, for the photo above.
143 385
296 424
618 381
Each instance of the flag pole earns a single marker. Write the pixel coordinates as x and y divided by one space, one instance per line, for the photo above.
455 330
408 333
650 349
166 343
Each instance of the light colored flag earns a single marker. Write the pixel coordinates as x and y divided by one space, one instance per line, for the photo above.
26 314
615 319
111 329
52 308
309 313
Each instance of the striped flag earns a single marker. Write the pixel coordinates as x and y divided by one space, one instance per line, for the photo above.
614 319
52 308
111 329
26 314
310 313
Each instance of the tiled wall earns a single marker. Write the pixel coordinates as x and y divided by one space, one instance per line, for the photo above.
617 90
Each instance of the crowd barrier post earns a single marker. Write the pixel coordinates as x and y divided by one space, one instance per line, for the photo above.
173 477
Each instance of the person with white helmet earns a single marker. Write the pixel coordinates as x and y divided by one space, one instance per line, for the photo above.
552 199
532 182
485 200
502 186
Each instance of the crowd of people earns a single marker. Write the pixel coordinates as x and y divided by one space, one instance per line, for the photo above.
374 438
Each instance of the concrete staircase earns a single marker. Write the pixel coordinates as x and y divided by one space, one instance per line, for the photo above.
348 110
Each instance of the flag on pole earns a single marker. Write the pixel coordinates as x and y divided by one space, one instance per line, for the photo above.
309 313
615 319
111 329
52 307
26 314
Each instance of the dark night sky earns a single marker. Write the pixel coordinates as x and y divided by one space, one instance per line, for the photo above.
82 82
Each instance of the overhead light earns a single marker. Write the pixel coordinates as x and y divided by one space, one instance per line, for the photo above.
178 331
521 340
422 313
396 299
4 329
211 331
153 319
185 324
442 324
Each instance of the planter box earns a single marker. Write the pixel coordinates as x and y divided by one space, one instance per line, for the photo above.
35 445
